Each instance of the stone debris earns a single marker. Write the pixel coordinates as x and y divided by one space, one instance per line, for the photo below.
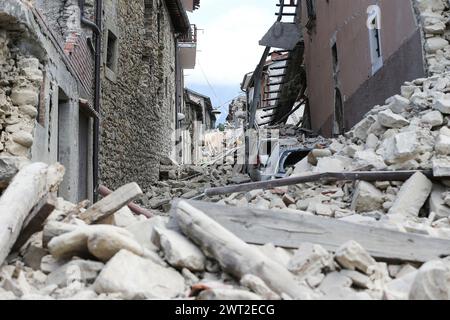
126 256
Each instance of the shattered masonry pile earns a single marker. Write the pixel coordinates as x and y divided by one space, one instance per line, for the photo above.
106 252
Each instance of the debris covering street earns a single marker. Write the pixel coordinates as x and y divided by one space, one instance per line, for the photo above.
362 215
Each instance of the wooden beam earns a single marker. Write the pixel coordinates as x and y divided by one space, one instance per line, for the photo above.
289 230
35 220
112 203
25 191
330 176
104 191
234 255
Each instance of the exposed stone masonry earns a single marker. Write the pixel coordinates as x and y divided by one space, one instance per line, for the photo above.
138 105
21 79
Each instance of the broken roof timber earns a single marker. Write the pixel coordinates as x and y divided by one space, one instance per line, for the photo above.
178 15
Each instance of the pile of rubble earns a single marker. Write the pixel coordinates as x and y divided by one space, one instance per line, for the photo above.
189 181
53 249
106 252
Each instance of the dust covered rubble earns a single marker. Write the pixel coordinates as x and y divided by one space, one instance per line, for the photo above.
419 141
147 259
134 257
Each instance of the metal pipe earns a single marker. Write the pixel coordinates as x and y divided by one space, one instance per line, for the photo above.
85 21
370 176
96 28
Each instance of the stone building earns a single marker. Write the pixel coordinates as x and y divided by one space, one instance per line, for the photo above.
146 46
344 57
46 89
94 84
357 54
199 117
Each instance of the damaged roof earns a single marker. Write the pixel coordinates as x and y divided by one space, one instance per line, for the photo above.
178 15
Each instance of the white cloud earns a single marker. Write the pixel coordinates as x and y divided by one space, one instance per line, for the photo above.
228 46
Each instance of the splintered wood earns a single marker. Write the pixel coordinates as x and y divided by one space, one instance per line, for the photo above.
27 188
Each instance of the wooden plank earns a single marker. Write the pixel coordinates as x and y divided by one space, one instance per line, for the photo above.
35 220
111 203
26 189
282 35
330 176
289 230
104 191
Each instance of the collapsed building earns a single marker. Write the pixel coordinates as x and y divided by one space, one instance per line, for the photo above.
197 117
364 216
366 51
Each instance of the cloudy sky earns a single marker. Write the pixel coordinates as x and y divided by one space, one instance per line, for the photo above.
228 45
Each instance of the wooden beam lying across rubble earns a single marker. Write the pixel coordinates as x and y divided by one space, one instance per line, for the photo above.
111 203
25 191
330 176
289 230
104 191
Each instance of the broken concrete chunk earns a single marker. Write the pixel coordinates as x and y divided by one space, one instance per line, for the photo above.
437 202
330 164
366 198
359 280
442 105
389 119
435 43
412 196
138 278
431 283
143 231
360 130
309 260
258 286
398 104
370 158
179 251
85 270
399 288
441 167
442 145
433 118
104 244
353 256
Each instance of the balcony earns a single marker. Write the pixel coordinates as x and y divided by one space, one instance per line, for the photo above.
191 5
187 46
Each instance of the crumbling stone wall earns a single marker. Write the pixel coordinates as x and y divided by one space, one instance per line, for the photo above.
433 16
138 99
20 81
